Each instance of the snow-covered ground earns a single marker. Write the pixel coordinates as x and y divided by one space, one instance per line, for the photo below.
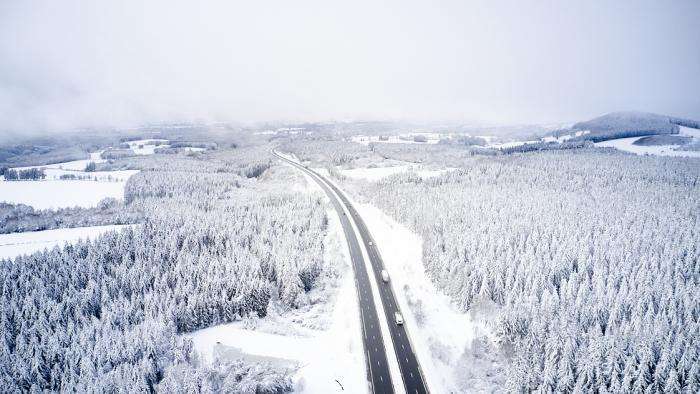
429 138
100 176
391 356
75 165
321 357
59 194
77 169
551 138
454 348
689 132
16 244
627 145
321 341
88 190
565 137
193 149
623 144
377 173
510 144
147 146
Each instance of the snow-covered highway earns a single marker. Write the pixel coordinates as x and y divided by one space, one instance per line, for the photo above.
378 362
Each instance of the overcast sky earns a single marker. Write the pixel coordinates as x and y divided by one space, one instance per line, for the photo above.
68 63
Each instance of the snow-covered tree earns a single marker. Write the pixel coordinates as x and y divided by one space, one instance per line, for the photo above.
595 250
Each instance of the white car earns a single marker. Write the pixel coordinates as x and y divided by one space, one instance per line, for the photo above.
385 276
399 319
370 243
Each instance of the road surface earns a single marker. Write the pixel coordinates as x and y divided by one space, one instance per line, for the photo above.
377 366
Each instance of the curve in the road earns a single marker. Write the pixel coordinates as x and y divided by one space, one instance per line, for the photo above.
377 365
408 362
411 373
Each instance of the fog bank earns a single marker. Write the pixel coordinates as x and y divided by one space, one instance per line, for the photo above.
76 63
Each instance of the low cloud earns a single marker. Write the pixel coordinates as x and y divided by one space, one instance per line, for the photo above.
75 63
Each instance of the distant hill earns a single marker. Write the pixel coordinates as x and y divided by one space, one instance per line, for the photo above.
686 122
627 124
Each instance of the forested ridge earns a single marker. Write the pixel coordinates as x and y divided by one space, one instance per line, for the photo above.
105 315
590 258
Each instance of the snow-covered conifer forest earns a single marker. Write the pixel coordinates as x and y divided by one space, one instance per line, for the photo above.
352 197
589 260
555 265
213 245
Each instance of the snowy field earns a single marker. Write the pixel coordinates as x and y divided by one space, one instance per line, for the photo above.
422 138
627 145
192 149
565 137
75 165
16 244
100 176
147 146
551 138
321 357
320 342
510 144
52 194
689 132
77 169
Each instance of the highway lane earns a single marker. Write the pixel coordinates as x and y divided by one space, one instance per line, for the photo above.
411 373
377 365
408 363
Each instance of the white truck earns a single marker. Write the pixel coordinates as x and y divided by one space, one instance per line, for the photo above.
385 276
399 318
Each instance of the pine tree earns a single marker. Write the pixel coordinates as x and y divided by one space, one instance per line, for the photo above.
671 385
693 382
567 374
